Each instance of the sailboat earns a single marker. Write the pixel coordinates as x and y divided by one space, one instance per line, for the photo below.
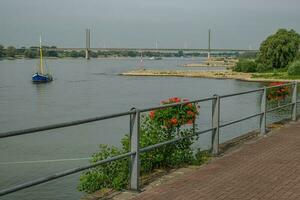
41 76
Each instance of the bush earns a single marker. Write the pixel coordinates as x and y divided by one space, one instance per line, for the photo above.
157 127
110 175
294 68
263 68
245 65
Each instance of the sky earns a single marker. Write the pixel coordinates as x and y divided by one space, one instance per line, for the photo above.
140 23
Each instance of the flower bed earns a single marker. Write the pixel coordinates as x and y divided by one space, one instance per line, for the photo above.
175 116
278 93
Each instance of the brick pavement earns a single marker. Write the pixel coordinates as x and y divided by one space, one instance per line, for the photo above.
268 168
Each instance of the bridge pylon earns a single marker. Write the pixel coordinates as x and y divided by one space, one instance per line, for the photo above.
87 43
208 53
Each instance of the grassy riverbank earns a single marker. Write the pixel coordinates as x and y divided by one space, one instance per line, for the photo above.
261 77
276 76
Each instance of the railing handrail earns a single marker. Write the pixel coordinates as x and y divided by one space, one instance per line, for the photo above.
104 117
90 120
134 133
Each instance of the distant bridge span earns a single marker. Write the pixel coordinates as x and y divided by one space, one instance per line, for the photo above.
208 50
154 49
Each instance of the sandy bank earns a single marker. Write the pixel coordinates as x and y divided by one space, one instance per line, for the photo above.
201 74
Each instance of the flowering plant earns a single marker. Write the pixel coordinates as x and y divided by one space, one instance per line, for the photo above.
175 116
278 93
159 126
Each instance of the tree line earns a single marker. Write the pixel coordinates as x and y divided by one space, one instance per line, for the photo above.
33 52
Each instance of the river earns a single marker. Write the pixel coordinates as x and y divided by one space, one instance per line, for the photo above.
87 88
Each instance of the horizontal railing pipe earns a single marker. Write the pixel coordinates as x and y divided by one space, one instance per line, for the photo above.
241 93
61 174
280 107
175 104
239 120
62 125
142 150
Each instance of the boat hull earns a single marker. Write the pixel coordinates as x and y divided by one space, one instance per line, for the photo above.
40 78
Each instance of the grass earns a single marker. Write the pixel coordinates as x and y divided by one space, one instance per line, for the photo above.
276 75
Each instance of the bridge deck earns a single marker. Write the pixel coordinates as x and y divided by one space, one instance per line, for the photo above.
267 168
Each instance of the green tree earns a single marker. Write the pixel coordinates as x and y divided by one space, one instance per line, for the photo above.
245 65
11 51
74 54
50 53
30 53
180 53
1 51
21 51
279 49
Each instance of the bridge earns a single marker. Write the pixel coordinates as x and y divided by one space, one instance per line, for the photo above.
153 49
208 50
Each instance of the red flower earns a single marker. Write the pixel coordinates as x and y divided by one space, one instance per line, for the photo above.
152 114
174 121
190 105
185 100
174 100
191 113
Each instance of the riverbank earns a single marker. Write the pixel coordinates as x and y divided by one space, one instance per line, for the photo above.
228 74
215 62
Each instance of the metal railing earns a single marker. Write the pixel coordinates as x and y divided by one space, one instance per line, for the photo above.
135 150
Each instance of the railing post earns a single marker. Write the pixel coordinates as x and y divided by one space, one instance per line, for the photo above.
194 121
263 110
134 147
294 101
215 124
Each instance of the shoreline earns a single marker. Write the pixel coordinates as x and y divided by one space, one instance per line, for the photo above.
204 74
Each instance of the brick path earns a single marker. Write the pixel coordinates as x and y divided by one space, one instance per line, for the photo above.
268 168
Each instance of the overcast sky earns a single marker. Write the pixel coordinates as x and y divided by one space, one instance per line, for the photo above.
139 23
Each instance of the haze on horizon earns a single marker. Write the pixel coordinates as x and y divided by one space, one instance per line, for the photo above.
140 23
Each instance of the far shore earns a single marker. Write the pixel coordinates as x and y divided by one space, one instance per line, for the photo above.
228 74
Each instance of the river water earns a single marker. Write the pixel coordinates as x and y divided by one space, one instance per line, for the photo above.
88 88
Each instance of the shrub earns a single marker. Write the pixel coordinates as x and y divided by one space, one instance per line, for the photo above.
294 68
263 68
110 175
245 65
159 126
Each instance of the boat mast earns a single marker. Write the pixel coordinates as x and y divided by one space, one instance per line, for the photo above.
41 68
142 61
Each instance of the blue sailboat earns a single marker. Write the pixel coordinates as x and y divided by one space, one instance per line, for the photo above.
41 76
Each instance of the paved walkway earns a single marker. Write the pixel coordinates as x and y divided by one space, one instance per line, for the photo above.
268 168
